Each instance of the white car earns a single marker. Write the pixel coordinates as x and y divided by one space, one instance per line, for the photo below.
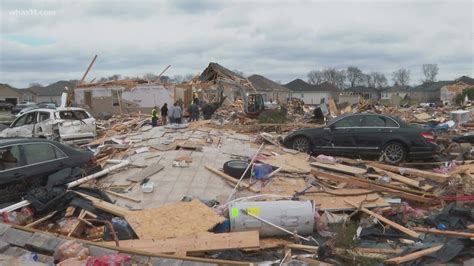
68 125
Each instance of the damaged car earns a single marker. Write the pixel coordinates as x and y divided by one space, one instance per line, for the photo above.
358 135
27 162
69 125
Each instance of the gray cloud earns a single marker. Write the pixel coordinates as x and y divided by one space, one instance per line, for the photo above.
279 39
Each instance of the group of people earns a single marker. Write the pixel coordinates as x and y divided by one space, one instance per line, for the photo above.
175 113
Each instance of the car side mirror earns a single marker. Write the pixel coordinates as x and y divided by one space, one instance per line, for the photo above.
332 127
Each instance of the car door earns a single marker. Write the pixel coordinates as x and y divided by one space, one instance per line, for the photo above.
373 133
44 127
342 135
22 126
42 158
10 164
76 124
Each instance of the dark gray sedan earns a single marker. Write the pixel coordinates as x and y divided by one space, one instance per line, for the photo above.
358 135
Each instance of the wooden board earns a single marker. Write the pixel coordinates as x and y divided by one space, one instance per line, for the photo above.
325 201
105 206
147 172
340 168
195 243
284 186
173 220
292 163
231 179
369 185
413 256
411 171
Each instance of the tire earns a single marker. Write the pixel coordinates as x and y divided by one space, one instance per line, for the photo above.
236 168
302 144
394 152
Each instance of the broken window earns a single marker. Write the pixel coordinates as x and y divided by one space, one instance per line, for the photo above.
9 157
116 96
73 115
41 152
43 116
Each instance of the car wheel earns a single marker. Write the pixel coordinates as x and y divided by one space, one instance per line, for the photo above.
236 168
302 144
394 153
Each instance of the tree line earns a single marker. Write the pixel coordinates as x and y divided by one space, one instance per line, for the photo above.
353 76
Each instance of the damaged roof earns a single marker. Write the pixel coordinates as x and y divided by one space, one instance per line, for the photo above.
301 85
431 86
262 83
466 80
214 71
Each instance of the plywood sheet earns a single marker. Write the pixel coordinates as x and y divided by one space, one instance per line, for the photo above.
173 220
147 172
340 168
195 243
284 186
292 163
331 202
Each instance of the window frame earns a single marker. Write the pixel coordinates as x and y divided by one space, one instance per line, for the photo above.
21 159
25 163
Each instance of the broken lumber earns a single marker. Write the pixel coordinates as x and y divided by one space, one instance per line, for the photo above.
387 221
231 179
340 168
397 177
195 243
441 232
105 206
41 219
413 256
411 171
147 172
122 196
368 185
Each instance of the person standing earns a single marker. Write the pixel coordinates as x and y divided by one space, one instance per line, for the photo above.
164 114
177 113
170 115
154 116
193 111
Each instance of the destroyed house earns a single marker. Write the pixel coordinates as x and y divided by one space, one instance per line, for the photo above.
428 91
271 90
448 92
313 94
14 95
123 96
366 93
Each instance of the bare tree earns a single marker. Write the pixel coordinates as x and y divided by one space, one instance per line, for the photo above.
188 77
115 77
379 80
354 75
367 80
150 77
315 77
178 78
401 76
430 71
35 84
334 76
238 72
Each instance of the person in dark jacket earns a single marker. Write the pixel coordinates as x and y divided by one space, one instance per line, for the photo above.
194 111
164 114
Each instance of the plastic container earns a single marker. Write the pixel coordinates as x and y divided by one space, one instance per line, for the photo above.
148 187
295 216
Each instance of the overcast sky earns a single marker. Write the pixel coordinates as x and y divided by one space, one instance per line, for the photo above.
46 41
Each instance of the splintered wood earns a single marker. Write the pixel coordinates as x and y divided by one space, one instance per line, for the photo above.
292 163
336 201
195 243
173 220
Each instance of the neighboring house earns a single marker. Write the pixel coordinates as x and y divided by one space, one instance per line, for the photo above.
395 90
52 93
428 91
448 92
366 93
313 94
118 97
14 96
271 90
